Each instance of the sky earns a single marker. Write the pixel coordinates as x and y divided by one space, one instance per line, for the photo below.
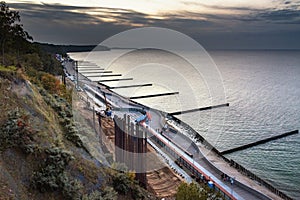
215 24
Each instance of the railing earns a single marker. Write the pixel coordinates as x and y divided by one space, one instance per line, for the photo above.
231 162
234 164
251 175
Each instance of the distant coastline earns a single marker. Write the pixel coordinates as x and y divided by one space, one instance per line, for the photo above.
64 49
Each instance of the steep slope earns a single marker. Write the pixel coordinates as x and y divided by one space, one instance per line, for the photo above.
42 153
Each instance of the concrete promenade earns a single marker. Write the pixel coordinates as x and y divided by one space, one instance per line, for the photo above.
204 159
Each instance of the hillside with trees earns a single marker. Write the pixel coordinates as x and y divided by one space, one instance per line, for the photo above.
42 153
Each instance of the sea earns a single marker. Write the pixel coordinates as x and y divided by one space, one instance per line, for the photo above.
262 88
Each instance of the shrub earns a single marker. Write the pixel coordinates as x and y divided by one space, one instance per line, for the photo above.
124 183
51 176
72 189
51 84
189 192
121 183
107 194
64 112
194 191
17 132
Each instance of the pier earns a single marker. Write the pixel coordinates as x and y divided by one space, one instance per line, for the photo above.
94 72
119 79
259 142
130 86
154 95
90 68
86 63
198 109
107 75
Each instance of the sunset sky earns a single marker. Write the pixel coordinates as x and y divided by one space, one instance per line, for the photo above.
216 24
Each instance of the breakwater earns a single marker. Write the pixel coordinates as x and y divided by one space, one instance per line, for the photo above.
246 146
232 163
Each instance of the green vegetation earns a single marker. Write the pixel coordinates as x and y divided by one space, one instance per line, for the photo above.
63 109
8 72
194 191
17 48
64 49
17 132
41 153
125 183
39 135
107 194
8 68
52 175
11 31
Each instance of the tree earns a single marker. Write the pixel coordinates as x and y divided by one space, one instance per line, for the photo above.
10 28
189 192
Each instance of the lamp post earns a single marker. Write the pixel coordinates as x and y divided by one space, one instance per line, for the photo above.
231 182
76 71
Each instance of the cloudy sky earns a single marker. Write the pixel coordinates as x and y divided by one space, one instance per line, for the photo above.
216 24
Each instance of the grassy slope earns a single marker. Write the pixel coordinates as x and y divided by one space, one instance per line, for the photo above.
17 167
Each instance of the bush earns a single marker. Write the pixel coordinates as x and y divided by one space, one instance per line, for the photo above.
121 183
17 132
51 84
64 112
124 184
194 191
190 192
51 176
107 194
72 189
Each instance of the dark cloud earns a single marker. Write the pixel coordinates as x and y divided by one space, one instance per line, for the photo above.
221 7
286 15
73 25
50 13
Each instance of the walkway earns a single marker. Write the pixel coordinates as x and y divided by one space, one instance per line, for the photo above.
240 191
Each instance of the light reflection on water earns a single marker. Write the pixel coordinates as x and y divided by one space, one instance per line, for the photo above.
263 90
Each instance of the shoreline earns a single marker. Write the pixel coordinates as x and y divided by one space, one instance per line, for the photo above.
216 158
225 160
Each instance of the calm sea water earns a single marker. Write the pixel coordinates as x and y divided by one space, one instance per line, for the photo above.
262 87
